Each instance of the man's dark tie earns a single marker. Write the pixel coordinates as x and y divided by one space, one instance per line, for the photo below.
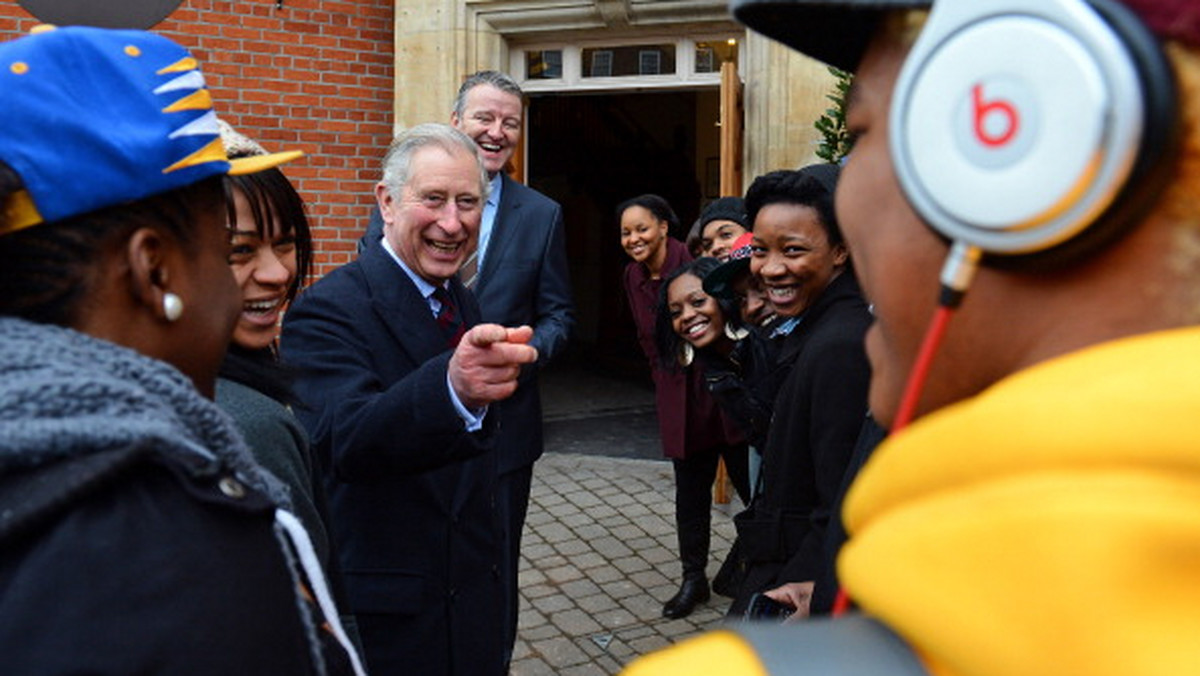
447 317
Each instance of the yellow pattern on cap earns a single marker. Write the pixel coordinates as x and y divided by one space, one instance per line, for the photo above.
183 65
213 152
257 163
20 212
197 100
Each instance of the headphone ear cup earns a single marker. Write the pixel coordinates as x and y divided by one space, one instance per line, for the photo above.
1016 125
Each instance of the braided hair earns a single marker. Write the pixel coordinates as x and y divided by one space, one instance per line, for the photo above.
47 270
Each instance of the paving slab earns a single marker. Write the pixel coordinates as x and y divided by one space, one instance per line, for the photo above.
598 560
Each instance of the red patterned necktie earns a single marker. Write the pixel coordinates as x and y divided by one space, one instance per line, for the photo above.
447 317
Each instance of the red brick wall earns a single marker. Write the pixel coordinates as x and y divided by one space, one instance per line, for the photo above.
309 74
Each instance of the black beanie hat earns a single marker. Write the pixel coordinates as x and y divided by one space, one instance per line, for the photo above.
725 209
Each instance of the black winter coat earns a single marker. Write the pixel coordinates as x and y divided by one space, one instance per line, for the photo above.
134 562
818 412
411 491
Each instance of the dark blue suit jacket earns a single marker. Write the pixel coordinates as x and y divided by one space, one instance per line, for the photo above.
524 280
411 492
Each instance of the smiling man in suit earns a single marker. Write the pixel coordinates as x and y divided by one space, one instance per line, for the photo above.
398 379
519 276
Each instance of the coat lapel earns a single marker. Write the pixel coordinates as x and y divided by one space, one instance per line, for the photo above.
504 229
401 307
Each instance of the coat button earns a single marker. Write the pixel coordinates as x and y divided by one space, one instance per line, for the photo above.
232 488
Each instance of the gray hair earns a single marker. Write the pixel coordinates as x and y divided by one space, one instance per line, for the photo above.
495 78
397 163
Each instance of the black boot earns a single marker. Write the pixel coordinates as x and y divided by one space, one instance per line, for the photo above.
693 513
692 592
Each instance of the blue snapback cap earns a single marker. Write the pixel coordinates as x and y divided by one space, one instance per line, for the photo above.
92 118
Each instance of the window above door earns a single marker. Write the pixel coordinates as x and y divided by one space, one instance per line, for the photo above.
607 65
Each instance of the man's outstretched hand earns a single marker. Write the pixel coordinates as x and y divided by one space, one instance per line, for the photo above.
487 362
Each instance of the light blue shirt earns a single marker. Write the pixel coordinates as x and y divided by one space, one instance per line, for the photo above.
489 218
472 419
785 327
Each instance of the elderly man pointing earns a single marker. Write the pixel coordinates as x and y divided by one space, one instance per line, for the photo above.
398 377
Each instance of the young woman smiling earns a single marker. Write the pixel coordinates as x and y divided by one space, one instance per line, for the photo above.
821 401
692 430
733 358
270 254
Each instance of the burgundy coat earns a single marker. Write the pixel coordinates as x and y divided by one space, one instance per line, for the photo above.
689 420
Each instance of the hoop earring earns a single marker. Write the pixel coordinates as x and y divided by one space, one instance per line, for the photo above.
686 354
172 306
736 334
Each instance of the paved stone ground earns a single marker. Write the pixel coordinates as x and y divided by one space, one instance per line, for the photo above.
598 561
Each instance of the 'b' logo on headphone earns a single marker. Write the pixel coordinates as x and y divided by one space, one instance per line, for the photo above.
995 123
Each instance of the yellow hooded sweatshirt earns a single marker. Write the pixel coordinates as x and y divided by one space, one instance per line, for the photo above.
1050 525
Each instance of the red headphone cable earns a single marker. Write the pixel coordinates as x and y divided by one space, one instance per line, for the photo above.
957 274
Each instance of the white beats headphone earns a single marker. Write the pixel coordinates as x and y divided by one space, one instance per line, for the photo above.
1033 130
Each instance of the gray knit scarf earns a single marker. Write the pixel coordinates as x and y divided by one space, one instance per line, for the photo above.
64 393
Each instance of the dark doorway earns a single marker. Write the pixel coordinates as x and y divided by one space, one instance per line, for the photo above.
591 152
